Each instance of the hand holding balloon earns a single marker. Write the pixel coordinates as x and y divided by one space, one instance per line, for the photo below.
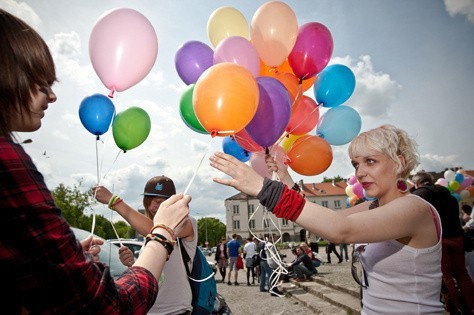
282 172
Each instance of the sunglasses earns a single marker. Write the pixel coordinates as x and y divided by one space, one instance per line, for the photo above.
356 261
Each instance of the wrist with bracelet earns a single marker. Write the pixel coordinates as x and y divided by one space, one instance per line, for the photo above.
114 200
166 243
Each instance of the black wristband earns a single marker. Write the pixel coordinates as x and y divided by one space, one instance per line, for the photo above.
270 194
168 245
296 187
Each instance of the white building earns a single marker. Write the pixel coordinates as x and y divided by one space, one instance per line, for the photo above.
244 213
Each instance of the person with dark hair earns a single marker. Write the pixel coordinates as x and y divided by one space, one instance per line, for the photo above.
453 265
44 268
466 218
233 252
402 231
222 257
174 295
302 265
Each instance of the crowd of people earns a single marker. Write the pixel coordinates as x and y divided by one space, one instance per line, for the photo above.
407 237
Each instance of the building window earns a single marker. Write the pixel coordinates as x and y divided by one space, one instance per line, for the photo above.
251 209
252 224
324 204
236 224
337 204
235 209
266 223
284 222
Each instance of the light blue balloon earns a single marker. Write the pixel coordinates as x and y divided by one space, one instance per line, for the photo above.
339 125
459 178
334 85
230 146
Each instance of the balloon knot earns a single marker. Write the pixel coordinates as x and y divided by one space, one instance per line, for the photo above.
267 151
97 138
213 133
111 93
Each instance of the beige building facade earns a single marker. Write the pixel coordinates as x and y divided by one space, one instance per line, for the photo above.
245 216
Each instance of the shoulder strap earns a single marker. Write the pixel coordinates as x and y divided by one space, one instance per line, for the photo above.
184 254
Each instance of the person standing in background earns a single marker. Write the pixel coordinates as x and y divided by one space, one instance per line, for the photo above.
221 258
233 251
312 239
331 248
249 252
343 251
466 217
453 265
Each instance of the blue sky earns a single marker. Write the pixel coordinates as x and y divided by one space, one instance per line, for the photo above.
413 62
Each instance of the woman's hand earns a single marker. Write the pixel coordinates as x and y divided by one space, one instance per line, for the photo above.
126 256
244 178
102 194
173 212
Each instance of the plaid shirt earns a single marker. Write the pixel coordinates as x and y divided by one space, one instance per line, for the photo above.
42 266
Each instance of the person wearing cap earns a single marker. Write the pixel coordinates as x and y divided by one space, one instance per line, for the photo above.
174 294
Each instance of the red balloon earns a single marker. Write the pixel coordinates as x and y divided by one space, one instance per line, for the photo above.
246 142
304 116
310 155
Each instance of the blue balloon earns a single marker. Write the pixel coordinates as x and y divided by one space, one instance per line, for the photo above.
334 85
96 113
459 178
339 125
230 146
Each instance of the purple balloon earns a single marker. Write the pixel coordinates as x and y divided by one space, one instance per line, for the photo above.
192 59
273 112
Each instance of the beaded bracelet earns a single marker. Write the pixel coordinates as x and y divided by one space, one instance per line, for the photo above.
167 244
168 229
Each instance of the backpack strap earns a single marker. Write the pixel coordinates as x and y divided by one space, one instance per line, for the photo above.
184 254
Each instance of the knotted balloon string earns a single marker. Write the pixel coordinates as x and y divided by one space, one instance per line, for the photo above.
198 167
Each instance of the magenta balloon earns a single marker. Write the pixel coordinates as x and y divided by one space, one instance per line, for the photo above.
238 50
358 190
273 112
192 59
312 50
123 48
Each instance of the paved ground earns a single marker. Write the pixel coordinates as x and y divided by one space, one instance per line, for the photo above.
245 299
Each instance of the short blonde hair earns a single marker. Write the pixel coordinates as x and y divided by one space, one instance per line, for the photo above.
392 142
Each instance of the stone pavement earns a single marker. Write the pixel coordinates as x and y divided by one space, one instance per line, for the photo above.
332 286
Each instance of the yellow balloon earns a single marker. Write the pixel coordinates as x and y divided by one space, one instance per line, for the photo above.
225 22
287 142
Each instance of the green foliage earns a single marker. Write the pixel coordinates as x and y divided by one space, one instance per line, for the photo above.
73 202
330 180
215 231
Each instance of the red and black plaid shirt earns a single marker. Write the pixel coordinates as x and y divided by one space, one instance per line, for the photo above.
42 266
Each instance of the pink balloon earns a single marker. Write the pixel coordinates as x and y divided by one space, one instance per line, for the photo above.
358 190
123 47
466 182
352 180
312 50
238 50
257 161
442 181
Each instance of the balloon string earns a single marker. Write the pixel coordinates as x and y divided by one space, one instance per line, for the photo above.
113 226
242 139
198 167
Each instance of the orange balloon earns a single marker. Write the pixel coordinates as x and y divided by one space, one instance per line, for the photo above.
290 81
470 189
308 83
225 99
310 155
304 116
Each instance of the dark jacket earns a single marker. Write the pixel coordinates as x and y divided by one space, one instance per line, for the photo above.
305 260
447 207
218 252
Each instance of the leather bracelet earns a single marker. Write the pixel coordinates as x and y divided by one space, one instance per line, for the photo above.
168 229
168 245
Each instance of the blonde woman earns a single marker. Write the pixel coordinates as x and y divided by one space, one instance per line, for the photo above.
402 271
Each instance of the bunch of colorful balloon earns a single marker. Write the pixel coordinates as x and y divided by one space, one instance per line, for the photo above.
253 89
355 192
459 184
123 47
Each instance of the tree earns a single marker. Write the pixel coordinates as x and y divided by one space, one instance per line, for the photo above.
211 230
73 202
330 180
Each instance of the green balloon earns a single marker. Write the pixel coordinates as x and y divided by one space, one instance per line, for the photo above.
186 110
131 128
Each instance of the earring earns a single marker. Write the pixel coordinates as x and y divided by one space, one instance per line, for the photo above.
402 185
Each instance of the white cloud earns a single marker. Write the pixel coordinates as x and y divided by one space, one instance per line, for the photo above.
23 11
375 92
433 162
463 7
